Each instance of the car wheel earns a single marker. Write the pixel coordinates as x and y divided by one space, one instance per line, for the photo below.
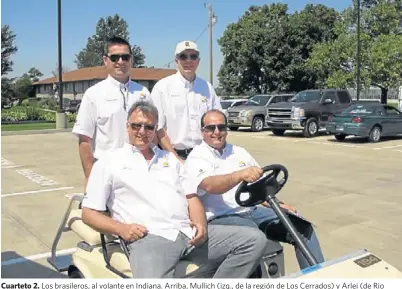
279 132
375 134
340 137
258 124
233 127
311 128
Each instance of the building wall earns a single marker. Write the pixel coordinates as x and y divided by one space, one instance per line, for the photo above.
76 89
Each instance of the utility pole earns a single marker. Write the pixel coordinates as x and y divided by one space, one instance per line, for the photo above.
211 22
358 52
60 90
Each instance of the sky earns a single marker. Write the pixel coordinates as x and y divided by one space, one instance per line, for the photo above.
155 25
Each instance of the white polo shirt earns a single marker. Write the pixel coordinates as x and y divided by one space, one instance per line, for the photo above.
203 162
136 192
181 105
103 113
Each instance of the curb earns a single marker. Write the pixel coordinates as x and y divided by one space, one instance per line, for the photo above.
39 131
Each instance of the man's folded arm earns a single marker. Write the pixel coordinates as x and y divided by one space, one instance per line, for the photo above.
196 210
220 184
101 223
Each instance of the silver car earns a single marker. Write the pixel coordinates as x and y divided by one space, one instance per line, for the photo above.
254 112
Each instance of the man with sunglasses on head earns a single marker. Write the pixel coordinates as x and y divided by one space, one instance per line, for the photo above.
181 100
217 168
100 123
158 215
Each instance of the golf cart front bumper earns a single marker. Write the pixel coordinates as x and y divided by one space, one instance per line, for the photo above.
360 264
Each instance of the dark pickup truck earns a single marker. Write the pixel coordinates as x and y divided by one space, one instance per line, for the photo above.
308 111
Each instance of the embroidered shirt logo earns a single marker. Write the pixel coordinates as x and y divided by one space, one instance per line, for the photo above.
242 164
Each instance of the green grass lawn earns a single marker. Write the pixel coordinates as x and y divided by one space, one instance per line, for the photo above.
31 126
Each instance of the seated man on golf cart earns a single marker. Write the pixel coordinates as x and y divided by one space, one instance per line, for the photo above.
217 168
162 221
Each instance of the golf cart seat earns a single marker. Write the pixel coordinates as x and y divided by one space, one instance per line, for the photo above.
116 257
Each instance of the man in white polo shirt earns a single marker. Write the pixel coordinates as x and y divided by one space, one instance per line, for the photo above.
217 168
100 124
155 211
181 100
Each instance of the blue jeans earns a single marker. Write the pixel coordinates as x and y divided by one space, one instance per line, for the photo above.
260 215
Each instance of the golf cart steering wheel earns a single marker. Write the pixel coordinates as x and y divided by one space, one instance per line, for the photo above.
259 191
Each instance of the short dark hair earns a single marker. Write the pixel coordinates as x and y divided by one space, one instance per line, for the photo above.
145 107
116 40
212 111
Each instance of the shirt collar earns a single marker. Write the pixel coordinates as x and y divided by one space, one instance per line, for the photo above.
227 150
185 81
118 84
134 149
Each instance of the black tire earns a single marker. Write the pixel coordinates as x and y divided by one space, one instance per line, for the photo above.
340 137
375 134
258 123
279 132
311 127
233 127
74 273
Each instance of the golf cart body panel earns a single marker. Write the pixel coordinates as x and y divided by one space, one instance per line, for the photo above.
361 263
90 260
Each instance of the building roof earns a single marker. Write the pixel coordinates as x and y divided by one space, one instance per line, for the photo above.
99 72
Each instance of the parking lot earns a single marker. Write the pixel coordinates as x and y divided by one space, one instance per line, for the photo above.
351 190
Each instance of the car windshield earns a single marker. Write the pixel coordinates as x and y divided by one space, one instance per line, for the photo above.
260 100
225 104
359 109
306 96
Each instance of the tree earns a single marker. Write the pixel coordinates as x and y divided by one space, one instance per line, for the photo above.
8 48
34 74
381 49
92 54
267 48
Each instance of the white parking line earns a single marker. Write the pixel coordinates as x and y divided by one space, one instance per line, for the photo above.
37 257
36 192
12 167
390 147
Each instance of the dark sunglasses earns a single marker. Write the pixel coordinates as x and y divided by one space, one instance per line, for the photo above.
116 57
213 127
138 126
184 56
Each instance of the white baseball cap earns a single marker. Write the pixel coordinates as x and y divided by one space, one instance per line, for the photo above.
184 45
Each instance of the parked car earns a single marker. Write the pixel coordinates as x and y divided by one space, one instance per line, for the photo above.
307 111
73 106
254 111
228 103
371 120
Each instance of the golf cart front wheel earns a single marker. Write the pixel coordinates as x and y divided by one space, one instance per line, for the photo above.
74 273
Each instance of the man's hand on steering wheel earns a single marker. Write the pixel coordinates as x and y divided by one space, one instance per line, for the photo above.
250 174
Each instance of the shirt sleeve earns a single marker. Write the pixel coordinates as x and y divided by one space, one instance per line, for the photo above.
216 101
85 123
195 171
99 187
156 97
147 95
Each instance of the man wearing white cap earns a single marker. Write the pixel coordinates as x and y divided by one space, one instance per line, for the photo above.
181 100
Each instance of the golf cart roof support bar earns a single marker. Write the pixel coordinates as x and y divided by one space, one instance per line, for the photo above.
273 201
62 228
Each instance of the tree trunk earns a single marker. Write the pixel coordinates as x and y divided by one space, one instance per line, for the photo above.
384 93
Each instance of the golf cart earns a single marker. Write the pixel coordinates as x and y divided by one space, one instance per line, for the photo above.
104 256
